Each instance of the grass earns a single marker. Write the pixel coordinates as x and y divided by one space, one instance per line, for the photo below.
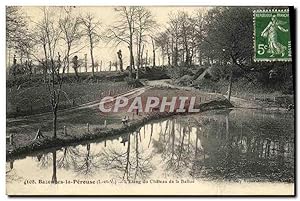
34 100
249 91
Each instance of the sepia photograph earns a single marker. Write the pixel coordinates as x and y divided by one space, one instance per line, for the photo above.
150 100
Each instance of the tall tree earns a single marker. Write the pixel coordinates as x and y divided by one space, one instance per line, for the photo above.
174 31
144 25
154 48
123 30
71 32
17 38
48 28
199 21
229 33
91 31
16 25
162 41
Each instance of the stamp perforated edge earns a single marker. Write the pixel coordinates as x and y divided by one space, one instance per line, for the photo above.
254 36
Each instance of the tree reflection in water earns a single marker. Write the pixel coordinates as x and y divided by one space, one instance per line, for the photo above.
219 145
176 148
80 161
68 158
86 162
54 175
133 163
226 147
11 175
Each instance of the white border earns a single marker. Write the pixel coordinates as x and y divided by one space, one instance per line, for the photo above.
3 3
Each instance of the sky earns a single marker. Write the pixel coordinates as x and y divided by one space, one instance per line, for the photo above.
107 52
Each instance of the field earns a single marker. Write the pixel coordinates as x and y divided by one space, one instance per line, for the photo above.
34 100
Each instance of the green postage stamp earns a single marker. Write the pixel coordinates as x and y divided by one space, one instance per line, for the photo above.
272 37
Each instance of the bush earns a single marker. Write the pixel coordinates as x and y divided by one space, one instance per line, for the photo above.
184 80
178 72
133 82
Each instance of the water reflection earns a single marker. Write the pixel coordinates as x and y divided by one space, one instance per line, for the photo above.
228 145
133 162
11 174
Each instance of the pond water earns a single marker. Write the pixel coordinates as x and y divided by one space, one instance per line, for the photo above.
232 146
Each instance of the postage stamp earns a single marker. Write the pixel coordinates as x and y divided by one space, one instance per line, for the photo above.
272 38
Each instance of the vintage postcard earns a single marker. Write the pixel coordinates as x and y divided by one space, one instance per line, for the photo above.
150 101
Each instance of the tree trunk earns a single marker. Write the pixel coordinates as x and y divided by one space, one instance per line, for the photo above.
21 58
141 58
191 57
54 121
176 53
85 62
229 87
153 49
46 62
137 73
154 58
227 126
200 59
68 59
146 63
92 56
9 50
93 63
187 55
131 54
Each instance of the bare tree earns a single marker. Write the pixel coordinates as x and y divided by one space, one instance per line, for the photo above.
91 31
181 29
123 30
199 21
40 39
162 41
16 25
187 37
71 33
174 30
17 38
154 48
48 36
144 24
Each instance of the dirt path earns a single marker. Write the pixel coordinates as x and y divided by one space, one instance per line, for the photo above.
131 94
235 101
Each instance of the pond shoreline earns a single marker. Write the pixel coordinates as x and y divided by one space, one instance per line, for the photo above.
47 143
